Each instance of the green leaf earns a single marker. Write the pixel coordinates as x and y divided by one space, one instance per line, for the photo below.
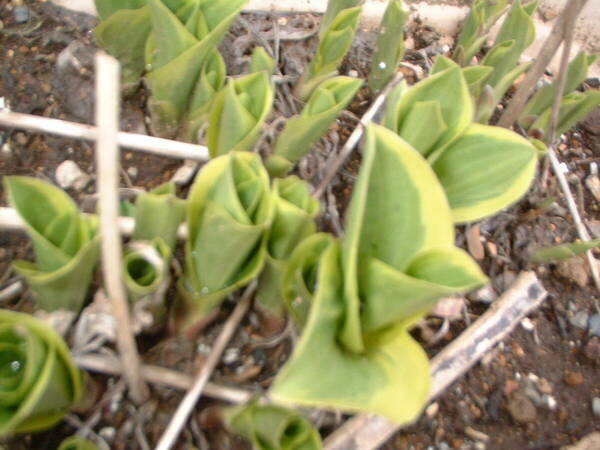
391 378
245 102
333 46
65 244
390 45
293 220
475 76
124 35
39 380
272 427
77 443
146 269
334 7
516 34
576 74
261 61
573 108
301 132
446 96
173 83
229 210
485 170
150 225
107 8
562 252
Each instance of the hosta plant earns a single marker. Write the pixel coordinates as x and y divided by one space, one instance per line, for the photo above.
65 244
174 42
365 293
302 131
38 379
77 443
229 211
333 46
271 427
482 168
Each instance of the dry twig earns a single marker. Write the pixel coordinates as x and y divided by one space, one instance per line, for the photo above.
139 142
191 397
368 431
107 160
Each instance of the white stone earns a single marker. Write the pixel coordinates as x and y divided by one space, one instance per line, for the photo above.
69 175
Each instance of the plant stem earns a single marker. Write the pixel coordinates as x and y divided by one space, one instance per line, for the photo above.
188 403
139 142
107 160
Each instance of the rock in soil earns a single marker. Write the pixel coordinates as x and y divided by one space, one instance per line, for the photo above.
574 269
573 378
521 409
580 320
592 122
68 175
590 442
594 325
596 406
592 349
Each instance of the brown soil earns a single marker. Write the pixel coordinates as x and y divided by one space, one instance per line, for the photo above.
31 82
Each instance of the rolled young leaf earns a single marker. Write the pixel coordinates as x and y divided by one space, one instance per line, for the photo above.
293 219
432 113
390 45
107 8
65 244
245 102
146 269
334 7
301 132
333 46
272 427
261 61
158 214
184 41
543 98
229 210
485 170
39 380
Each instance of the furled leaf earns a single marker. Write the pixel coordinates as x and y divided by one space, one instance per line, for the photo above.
482 15
181 55
301 132
158 214
333 46
334 7
391 378
229 210
573 108
146 269
238 113
516 34
77 443
65 244
293 220
390 45
432 113
39 381
485 170
564 251
107 8
272 427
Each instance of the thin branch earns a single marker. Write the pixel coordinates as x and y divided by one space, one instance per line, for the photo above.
139 142
107 161
367 431
188 403
11 221
515 107
355 137
161 376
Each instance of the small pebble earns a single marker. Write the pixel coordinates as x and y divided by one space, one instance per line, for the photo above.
231 355
69 175
486 295
550 402
544 386
580 320
476 435
573 378
432 410
521 408
596 406
592 349
594 325
21 14
528 324
132 172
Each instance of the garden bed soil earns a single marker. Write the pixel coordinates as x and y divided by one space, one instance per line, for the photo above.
534 391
